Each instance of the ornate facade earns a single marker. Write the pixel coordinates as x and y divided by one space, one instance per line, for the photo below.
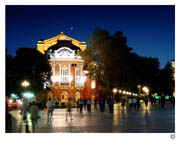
68 78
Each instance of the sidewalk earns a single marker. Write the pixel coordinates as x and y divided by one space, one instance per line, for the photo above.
151 120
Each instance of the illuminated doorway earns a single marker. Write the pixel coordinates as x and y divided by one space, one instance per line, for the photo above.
77 95
64 96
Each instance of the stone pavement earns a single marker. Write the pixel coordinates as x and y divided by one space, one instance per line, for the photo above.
151 120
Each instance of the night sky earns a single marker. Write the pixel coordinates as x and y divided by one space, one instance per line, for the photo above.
150 30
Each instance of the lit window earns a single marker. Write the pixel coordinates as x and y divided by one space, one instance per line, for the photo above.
78 76
64 75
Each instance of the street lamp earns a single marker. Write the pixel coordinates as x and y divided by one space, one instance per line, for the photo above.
124 92
139 89
146 90
74 66
114 91
25 84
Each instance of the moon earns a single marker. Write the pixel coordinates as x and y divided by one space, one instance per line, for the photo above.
71 28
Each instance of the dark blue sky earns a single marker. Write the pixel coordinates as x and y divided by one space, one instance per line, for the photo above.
150 30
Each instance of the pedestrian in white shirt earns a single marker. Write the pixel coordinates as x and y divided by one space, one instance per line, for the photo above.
34 111
134 102
49 106
130 102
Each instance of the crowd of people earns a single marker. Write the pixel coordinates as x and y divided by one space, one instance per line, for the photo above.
33 108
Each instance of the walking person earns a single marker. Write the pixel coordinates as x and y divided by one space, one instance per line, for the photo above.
162 101
146 101
81 103
78 104
130 102
102 104
24 110
138 103
89 105
134 102
34 111
123 102
69 111
95 104
111 106
154 101
49 106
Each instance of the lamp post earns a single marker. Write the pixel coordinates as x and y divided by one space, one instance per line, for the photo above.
139 89
74 65
114 92
93 85
25 84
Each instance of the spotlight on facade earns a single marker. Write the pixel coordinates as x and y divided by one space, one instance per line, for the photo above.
85 71
70 78
79 57
93 84
83 79
55 79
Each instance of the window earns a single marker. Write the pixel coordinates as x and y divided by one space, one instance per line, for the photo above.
78 76
64 75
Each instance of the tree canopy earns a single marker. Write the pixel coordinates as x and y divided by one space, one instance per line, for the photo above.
28 64
112 63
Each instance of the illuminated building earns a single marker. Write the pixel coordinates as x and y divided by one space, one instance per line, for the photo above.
68 79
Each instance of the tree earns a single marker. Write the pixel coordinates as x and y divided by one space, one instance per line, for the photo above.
28 64
106 59
145 71
166 84
10 68
110 61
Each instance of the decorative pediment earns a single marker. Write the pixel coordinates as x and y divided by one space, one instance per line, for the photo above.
63 53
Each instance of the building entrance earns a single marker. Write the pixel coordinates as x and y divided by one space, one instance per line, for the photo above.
77 96
64 96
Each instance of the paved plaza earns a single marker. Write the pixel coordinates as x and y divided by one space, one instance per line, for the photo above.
151 120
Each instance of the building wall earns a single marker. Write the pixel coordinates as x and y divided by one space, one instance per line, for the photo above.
85 90
56 89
